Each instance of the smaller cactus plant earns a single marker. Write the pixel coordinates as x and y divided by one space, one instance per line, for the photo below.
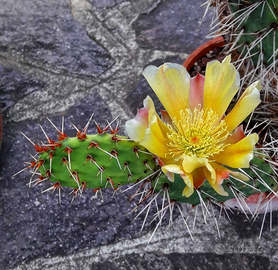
251 27
255 30
194 155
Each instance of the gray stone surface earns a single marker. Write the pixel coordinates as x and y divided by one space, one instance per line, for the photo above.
188 261
172 25
43 34
105 3
15 85
73 58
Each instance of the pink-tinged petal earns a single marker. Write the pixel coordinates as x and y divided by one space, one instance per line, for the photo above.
160 162
171 83
248 101
166 117
221 85
196 94
236 136
170 176
216 177
238 155
136 127
255 203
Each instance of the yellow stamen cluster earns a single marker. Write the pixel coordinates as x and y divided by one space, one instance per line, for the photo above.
198 133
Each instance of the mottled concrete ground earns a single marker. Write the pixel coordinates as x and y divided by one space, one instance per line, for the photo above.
72 58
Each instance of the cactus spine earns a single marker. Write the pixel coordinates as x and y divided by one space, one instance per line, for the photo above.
255 24
250 28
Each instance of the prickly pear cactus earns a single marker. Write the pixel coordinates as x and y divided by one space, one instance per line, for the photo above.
182 157
105 160
254 25
96 161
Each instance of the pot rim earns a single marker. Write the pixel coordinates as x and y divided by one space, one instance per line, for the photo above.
217 42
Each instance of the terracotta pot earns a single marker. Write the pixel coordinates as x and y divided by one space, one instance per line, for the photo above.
1 128
202 50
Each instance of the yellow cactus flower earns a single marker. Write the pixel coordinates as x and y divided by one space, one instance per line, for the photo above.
195 136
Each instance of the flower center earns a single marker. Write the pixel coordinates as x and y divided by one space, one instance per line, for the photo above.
197 133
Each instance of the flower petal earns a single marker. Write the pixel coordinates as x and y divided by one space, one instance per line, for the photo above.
216 178
221 84
196 95
171 83
189 189
137 126
197 168
191 163
238 155
171 170
248 101
148 129
236 136
165 117
155 139
200 169
198 177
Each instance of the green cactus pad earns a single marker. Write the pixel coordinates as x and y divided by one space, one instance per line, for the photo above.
97 161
